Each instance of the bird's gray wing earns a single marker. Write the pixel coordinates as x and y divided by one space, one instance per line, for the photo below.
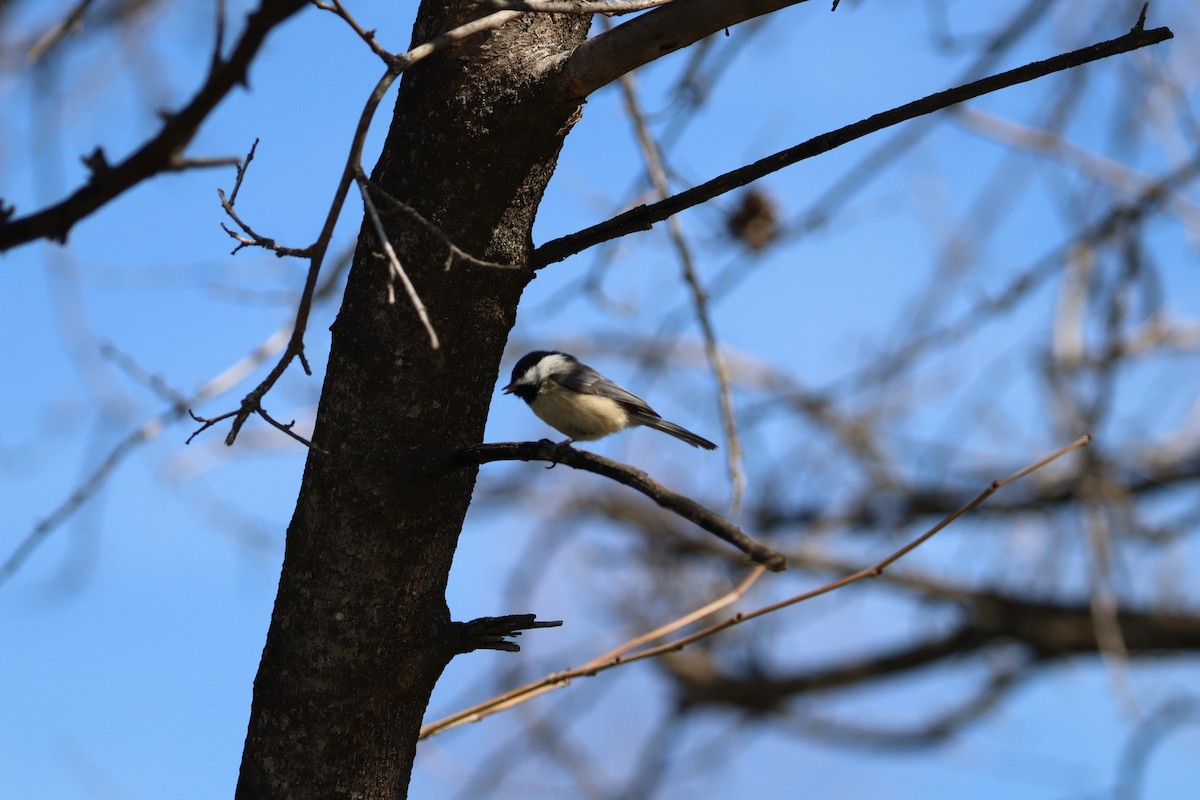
586 380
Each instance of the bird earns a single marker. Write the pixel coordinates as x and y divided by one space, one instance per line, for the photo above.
578 401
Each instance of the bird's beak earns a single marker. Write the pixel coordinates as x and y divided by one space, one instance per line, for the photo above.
508 389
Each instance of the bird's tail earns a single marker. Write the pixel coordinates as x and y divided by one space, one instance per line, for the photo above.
660 424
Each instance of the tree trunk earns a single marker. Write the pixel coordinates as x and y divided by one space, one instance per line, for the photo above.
361 631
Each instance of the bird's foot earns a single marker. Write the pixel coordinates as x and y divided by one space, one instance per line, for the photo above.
560 450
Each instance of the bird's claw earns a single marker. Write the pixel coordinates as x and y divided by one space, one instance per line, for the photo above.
559 450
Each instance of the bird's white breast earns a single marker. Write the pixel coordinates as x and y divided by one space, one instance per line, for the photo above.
582 417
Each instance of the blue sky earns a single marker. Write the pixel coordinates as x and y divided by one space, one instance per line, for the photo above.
131 637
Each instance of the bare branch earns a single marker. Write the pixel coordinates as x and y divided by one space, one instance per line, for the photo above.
397 268
251 403
251 238
607 56
68 25
455 252
609 7
643 217
995 623
494 633
216 386
335 7
689 509
149 430
287 428
159 153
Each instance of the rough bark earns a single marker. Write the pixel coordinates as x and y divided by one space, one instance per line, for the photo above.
361 631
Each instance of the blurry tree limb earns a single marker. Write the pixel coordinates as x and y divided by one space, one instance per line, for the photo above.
1046 631
162 152
68 25
940 726
149 430
1165 471
656 168
1055 145
546 450
643 217
1165 720
179 409
1116 218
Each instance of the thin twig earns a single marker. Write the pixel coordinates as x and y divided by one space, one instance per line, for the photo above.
335 7
656 168
455 252
316 254
69 24
251 238
147 431
595 666
220 384
287 428
396 267
134 370
241 172
682 622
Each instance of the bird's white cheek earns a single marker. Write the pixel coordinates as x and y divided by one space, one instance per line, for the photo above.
580 416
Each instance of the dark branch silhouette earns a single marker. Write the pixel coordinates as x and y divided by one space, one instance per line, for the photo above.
163 152
643 217
689 509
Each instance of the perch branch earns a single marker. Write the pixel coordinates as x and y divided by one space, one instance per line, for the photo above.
689 509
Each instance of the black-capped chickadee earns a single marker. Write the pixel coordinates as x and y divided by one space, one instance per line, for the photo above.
574 399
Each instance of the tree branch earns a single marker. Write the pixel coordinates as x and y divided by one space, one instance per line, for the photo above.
643 217
494 633
689 509
159 154
607 56
1048 631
